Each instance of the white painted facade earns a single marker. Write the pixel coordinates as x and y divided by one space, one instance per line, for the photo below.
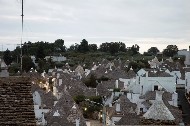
141 72
173 102
177 75
187 82
131 85
134 98
56 58
39 112
150 83
37 98
185 53
141 84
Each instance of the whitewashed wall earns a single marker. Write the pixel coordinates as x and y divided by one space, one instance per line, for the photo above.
187 83
147 83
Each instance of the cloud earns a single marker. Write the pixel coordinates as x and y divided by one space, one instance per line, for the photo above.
97 20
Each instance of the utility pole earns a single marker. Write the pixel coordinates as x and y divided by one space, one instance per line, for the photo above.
21 40
104 115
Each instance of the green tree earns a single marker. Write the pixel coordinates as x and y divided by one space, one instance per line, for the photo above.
7 57
92 47
122 47
91 82
40 52
170 50
14 68
135 49
59 45
41 64
74 47
83 47
79 98
27 63
16 54
113 47
153 51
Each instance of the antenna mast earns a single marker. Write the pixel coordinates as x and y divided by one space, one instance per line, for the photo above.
21 40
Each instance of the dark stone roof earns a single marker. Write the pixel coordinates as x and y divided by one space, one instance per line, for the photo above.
16 102
99 72
115 74
75 87
131 74
64 108
126 105
144 121
187 69
174 110
151 95
47 97
102 90
90 92
104 62
129 119
58 121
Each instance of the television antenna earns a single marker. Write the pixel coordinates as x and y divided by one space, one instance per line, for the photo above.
21 38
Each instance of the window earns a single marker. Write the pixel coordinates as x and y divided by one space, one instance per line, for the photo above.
155 87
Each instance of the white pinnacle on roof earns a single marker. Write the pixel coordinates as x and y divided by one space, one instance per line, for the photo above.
106 71
158 110
56 113
74 106
131 68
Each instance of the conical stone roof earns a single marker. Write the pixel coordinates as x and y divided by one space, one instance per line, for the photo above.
158 110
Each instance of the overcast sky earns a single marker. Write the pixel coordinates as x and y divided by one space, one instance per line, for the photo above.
143 22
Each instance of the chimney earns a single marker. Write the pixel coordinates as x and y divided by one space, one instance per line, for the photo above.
116 84
77 122
118 107
159 95
110 104
146 73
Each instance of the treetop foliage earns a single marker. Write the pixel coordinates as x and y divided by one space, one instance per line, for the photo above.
170 50
77 53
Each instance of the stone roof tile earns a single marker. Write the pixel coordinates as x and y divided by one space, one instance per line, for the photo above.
16 102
